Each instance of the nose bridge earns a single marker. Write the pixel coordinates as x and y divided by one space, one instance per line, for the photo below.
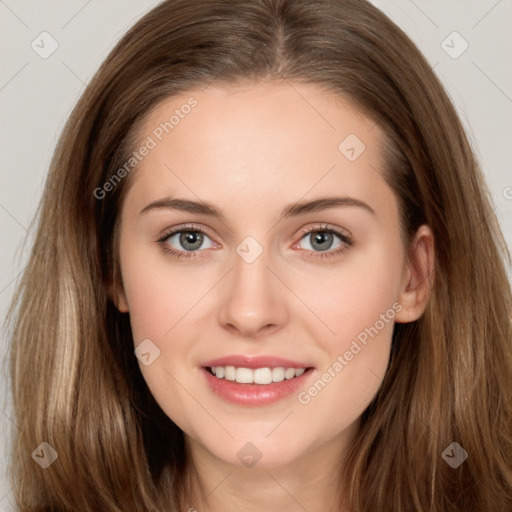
253 300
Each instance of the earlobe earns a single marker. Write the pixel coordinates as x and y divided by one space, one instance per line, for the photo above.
117 294
418 277
120 302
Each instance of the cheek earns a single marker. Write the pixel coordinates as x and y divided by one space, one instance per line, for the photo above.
358 304
161 298
353 295
357 354
160 293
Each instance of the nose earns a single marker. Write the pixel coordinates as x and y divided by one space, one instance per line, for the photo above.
254 301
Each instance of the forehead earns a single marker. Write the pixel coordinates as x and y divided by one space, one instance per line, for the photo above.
273 141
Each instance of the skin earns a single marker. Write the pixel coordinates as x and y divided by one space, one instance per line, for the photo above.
252 150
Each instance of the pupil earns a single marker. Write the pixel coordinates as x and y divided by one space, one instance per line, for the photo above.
191 237
322 237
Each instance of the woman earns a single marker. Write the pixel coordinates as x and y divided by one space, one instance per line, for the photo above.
258 370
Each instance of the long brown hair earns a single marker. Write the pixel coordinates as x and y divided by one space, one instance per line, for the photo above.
76 383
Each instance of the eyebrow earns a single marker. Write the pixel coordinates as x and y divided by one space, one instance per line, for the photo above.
292 210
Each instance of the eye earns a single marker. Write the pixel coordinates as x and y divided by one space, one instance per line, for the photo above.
185 242
322 238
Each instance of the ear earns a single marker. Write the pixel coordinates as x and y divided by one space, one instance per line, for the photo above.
417 276
117 293
120 300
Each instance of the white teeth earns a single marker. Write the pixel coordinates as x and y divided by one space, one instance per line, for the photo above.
257 376
244 375
278 374
289 373
229 372
263 376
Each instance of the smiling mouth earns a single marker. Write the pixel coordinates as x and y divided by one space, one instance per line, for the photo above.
260 376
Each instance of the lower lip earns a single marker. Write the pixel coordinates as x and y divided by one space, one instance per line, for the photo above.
254 394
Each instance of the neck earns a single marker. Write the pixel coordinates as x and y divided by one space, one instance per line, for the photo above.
310 483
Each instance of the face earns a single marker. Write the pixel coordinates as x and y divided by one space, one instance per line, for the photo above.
271 276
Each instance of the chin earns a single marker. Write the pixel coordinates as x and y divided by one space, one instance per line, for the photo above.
256 452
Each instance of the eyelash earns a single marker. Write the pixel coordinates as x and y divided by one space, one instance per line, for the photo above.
324 228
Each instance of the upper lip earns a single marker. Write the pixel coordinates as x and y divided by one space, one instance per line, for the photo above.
242 361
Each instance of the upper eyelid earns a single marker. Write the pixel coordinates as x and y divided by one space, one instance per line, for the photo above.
326 227
166 233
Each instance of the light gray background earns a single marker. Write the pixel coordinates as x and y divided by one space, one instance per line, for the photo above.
37 95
